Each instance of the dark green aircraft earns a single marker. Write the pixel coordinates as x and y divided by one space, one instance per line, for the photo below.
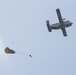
61 25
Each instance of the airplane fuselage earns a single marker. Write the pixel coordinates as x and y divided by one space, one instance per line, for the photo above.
61 25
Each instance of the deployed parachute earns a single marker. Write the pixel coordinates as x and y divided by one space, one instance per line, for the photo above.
10 51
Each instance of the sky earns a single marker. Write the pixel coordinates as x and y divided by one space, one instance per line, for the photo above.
23 29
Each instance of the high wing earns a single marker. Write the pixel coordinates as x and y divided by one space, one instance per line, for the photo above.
59 15
64 31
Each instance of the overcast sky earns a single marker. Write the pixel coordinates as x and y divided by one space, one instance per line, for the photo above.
23 29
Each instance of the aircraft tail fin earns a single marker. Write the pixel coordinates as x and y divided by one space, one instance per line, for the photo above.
48 25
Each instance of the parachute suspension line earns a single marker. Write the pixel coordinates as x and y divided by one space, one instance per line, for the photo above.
24 54
10 51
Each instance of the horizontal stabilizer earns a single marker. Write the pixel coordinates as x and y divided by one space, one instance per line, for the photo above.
48 25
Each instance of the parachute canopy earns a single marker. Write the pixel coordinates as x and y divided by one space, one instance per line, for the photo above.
9 51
